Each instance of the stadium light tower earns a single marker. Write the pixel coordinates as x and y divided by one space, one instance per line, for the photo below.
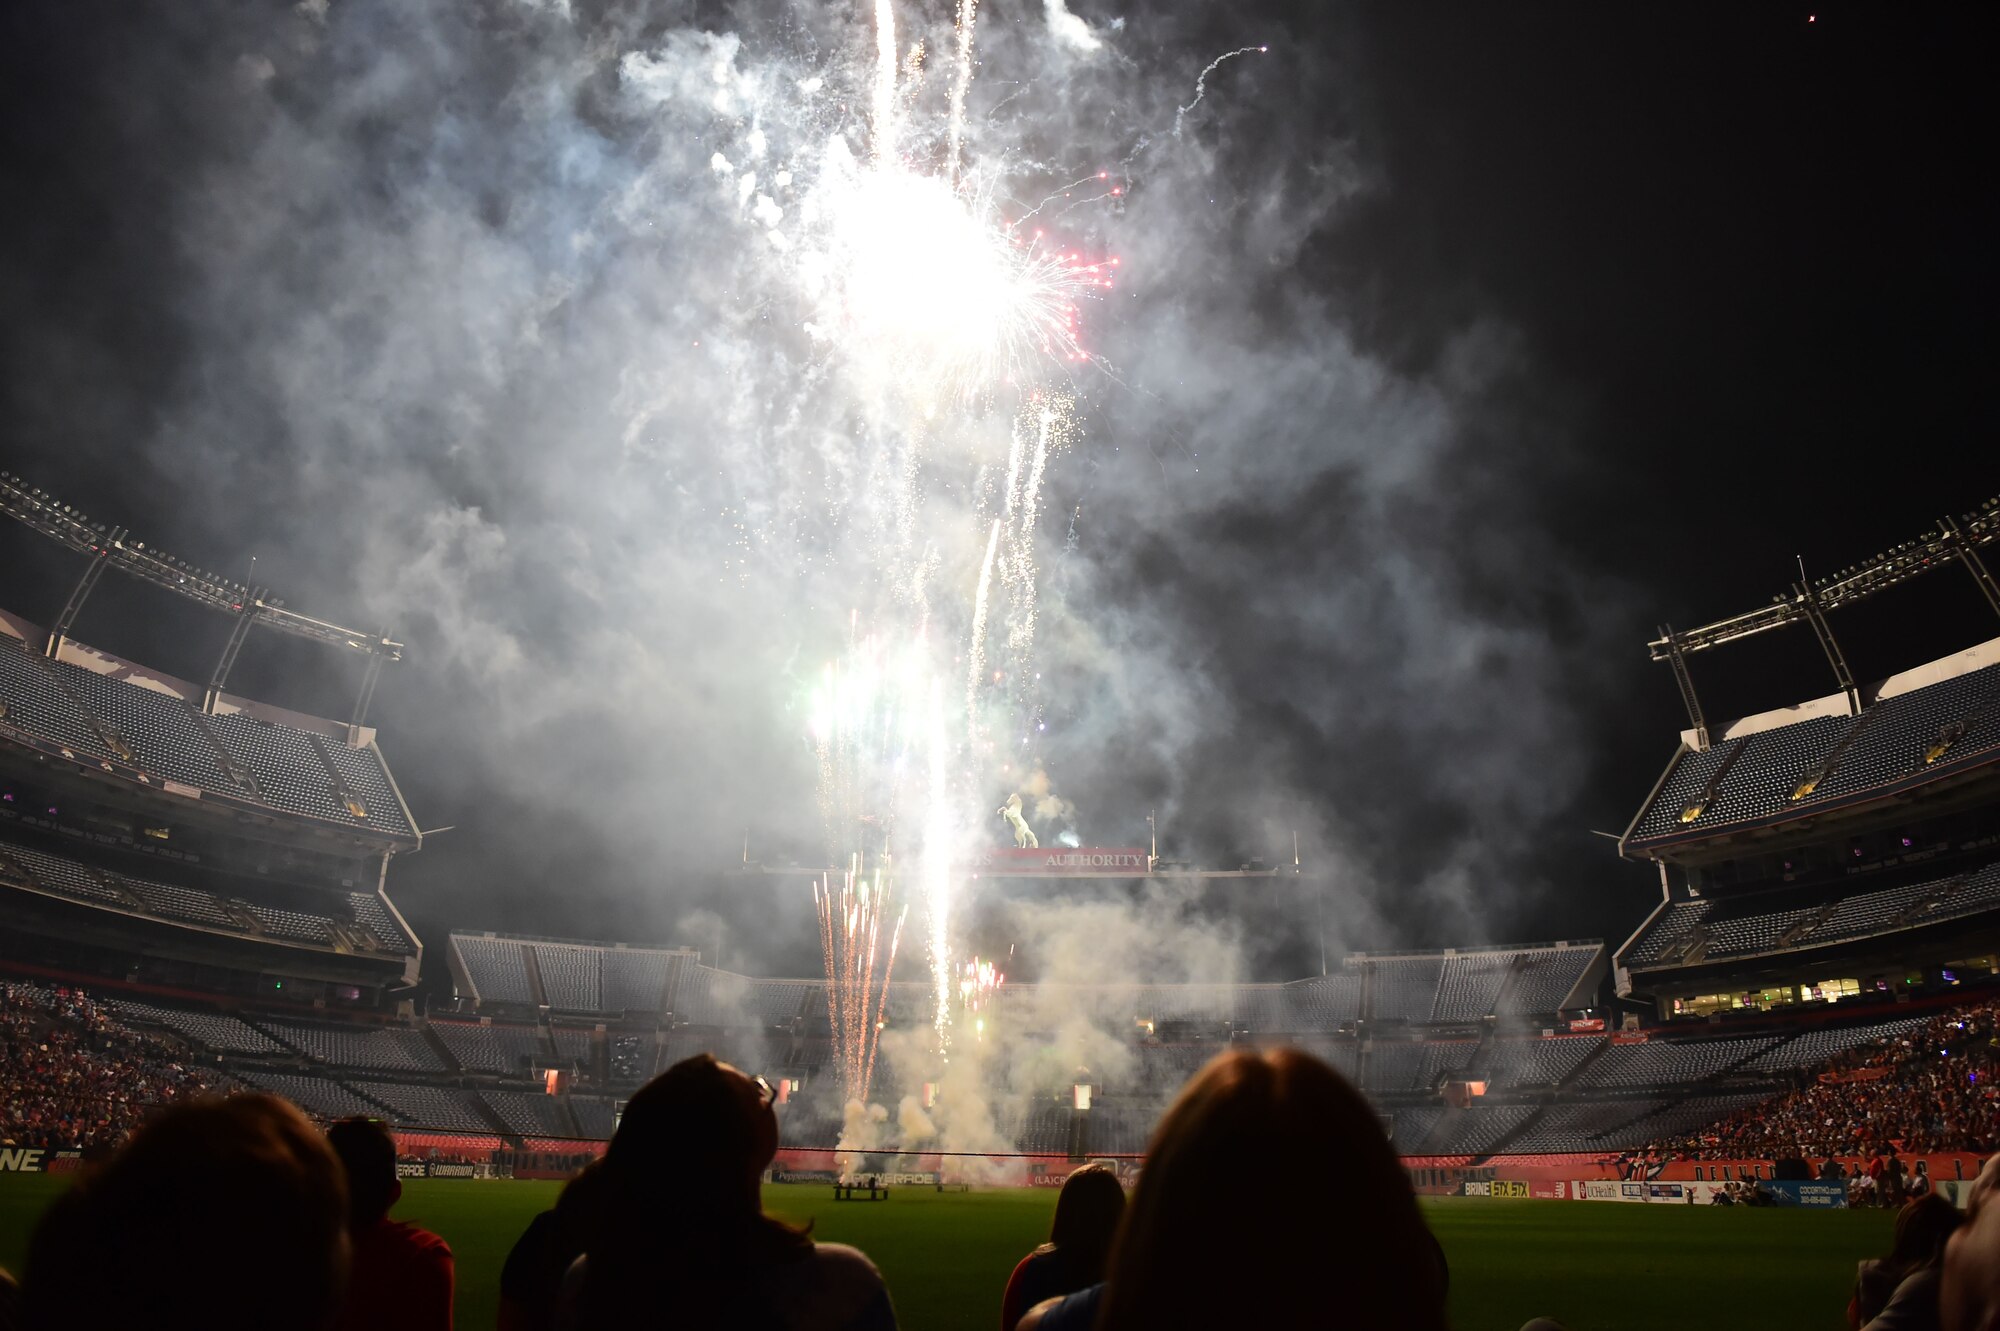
1954 541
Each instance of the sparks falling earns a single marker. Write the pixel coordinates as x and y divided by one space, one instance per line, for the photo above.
851 918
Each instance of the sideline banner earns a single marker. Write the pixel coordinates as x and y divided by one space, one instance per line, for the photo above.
38 1160
1799 1192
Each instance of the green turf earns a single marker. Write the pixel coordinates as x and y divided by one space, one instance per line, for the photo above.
1597 1266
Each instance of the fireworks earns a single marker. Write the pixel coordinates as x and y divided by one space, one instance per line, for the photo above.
851 918
931 293
976 982
936 304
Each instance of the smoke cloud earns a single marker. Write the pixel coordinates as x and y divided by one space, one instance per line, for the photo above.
498 324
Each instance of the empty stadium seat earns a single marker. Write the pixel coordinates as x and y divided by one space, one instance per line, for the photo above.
496 968
1405 987
634 979
1323 1004
530 1113
1543 978
1545 1062
159 728
387 1047
571 975
1470 985
209 1030
321 1096
37 704
514 1049
1890 743
290 773
427 1106
1668 1063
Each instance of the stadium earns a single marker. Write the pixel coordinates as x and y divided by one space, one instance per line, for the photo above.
761 444
201 883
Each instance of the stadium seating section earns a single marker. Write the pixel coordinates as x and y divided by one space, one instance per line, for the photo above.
1892 743
395 1049
1761 922
508 1049
365 917
1546 1094
286 770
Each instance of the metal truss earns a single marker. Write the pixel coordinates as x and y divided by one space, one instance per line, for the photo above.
111 548
1953 541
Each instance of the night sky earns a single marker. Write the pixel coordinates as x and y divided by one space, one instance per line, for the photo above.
1462 346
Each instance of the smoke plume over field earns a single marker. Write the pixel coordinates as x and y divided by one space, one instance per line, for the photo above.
532 331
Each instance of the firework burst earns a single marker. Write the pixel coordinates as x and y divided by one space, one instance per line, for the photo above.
852 915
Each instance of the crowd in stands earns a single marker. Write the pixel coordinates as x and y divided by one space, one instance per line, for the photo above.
74 1077
1932 1089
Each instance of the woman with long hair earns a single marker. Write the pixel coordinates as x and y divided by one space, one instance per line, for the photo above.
1270 1197
1922 1229
678 1234
1087 1212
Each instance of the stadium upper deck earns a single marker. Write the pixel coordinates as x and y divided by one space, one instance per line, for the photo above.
1920 735
1846 845
120 723
150 827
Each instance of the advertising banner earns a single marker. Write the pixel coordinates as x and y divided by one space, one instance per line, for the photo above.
410 1169
1595 1190
38 1160
1559 1188
1509 1187
1581 1024
1799 1192
1478 1188
1665 1192
1063 862
450 1169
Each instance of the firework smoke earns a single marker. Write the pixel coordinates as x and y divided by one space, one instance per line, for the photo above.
555 342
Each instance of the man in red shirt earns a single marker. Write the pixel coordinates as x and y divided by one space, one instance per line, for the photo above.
401 1278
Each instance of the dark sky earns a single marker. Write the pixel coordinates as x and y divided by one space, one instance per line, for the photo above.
1465 345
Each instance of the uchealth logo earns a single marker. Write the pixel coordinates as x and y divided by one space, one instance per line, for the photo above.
22 1159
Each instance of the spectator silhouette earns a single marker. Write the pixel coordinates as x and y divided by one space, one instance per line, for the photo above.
224 1215
1969 1284
532 1279
679 1236
1087 1213
1922 1227
401 1277
1270 1197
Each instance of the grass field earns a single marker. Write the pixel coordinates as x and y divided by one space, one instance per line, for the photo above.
946 1256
